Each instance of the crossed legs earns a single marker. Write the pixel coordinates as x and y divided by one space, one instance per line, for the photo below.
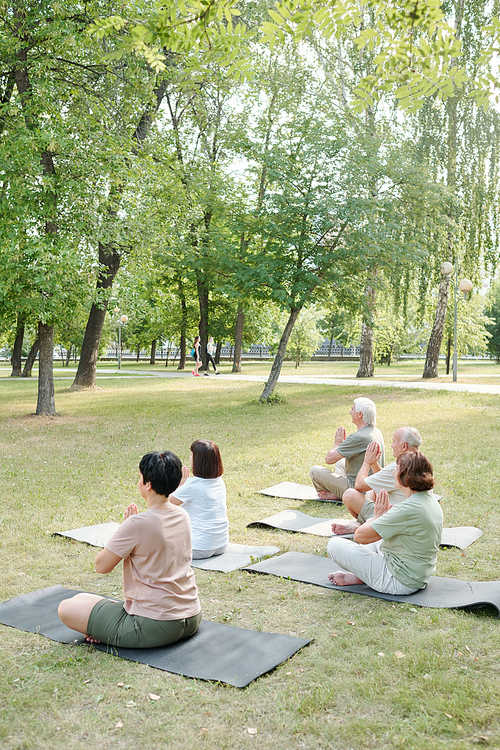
75 612
364 563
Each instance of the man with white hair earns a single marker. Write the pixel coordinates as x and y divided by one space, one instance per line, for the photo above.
371 479
348 453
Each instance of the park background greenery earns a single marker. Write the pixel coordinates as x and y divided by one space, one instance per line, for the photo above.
200 165
207 176
377 674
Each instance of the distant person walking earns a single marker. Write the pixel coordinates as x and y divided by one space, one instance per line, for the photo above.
196 356
211 348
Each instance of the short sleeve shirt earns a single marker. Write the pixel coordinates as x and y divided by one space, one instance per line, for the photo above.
354 448
205 501
158 581
384 480
411 534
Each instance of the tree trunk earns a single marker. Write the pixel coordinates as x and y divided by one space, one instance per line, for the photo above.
46 404
434 345
152 358
68 355
184 320
448 355
138 354
218 348
280 356
365 369
109 261
203 293
30 359
238 340
17 352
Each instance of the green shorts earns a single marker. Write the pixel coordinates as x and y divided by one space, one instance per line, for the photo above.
111 624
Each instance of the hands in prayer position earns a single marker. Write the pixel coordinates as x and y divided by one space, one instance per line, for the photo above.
381 504
373 453
340 436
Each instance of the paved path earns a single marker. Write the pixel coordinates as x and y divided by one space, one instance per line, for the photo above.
104 374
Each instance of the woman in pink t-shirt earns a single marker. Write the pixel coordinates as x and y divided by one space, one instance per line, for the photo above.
161 603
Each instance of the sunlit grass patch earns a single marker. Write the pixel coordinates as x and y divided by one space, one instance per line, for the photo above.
377 675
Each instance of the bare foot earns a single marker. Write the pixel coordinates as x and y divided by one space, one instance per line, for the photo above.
90 639
344 527
324 495
340 578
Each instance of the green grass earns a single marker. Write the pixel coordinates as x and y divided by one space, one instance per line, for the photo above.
349 688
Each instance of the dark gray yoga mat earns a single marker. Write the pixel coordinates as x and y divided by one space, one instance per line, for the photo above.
217 652
447 593
236 555
294 520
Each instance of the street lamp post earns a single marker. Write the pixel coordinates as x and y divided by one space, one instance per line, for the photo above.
121 321
464 286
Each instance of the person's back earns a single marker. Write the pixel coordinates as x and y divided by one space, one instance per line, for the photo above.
158 581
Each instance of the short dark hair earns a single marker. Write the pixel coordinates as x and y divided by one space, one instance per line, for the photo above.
207 462
163 470
415 471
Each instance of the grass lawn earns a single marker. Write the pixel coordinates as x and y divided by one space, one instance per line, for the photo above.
378 675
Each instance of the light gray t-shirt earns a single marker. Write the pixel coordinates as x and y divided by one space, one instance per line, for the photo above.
384 480
411 534
354 448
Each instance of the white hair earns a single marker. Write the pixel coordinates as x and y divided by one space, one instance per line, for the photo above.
367 409
411 436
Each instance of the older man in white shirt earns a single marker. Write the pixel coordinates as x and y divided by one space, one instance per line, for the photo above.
360 500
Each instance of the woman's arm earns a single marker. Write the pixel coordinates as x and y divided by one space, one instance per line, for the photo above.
106 561
185 475
365 534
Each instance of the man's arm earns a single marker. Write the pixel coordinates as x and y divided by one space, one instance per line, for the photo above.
373 453
333 455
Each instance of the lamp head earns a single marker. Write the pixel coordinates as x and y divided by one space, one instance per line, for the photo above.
465 285
446 268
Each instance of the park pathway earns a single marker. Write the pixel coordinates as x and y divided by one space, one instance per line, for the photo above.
105 374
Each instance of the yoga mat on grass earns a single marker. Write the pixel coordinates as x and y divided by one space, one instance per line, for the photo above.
96 536
294 520
445 593
294 491
236 555
217 652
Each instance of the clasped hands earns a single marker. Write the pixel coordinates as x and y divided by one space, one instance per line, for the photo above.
381 504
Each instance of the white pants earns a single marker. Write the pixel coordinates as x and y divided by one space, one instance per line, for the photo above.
326 480
367 562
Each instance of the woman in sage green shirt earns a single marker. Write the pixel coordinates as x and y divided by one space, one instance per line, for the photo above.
395 552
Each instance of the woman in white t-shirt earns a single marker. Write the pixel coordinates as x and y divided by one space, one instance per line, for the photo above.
203 496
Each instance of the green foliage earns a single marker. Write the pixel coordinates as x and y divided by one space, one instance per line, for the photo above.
493 325
210 30
305 337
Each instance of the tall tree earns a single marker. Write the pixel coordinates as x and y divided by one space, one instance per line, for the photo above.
460 140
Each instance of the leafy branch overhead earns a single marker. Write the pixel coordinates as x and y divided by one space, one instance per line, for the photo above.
208 27
415 49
